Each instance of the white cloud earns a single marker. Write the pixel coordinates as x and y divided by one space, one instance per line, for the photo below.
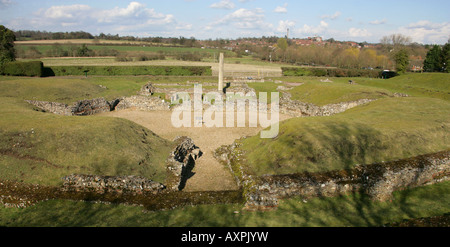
243 19
331 17
66 12
281 9
284 25
314 30
184 27
224 4
358 32
427 32
134 18
378 22
134 13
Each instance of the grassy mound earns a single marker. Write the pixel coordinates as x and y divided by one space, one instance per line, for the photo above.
435 85
313 90
387 129
323 93
41 147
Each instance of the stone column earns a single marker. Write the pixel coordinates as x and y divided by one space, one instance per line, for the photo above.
220 86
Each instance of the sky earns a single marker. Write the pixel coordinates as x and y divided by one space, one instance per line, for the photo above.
425 21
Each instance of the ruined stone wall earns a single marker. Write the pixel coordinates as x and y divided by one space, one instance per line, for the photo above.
378 180
53 107
299 109
110 184
144 103
79 108
94 106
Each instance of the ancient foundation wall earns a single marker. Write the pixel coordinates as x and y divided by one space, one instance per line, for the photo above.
299 109
94 106
79 108
378 180
143 103
110 184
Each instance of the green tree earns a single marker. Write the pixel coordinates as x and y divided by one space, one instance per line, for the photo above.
7 51
433 60
282 44
84 51
445 57
401 59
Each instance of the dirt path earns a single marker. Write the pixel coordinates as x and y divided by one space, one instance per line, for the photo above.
209 173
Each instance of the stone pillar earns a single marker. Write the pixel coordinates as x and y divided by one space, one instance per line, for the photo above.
220 86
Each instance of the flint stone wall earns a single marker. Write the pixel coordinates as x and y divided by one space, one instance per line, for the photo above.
378 180
144 103
110 184
79 108
299 109
94 106
53 107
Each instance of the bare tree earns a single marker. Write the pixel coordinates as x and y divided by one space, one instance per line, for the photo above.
395 41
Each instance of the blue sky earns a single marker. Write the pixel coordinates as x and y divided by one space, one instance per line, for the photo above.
425 22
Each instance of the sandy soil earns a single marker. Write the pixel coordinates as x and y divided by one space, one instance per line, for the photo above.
209 173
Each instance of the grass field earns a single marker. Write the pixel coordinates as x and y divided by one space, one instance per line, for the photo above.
43 46
70 89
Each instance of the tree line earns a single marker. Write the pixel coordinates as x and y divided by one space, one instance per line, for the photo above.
395 52
23 35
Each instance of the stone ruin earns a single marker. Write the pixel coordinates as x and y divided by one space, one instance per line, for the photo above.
181 162
377 180
110 184
79 108
179 165
147 90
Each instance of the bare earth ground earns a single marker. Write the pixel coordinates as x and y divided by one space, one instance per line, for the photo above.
210 175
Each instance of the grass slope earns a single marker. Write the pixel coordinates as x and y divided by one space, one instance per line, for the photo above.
387 129
38 147
435 85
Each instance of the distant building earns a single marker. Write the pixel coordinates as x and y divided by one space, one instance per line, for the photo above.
316 40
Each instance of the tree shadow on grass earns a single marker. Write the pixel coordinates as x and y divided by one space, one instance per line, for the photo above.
349 145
